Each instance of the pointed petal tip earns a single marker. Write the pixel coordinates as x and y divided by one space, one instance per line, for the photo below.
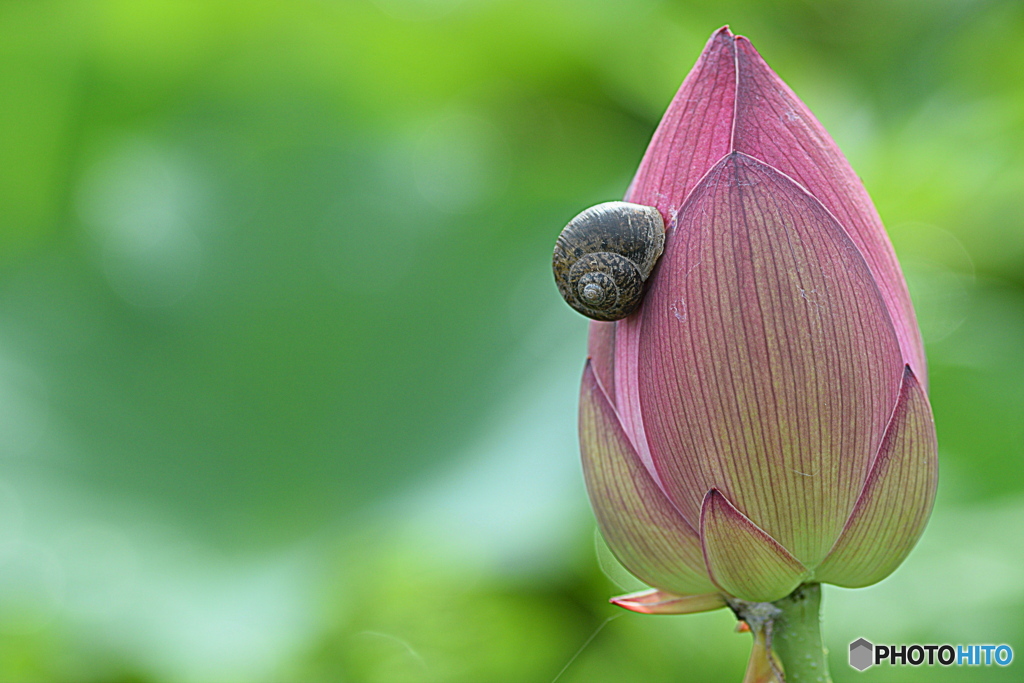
723 38
590 381
711 496
601 350
747 45
915 381
910 378
655 601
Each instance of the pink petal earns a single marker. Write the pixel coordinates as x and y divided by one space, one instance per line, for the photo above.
773 125
732 101
627 389
655 601
891 512
742 559
692 136
640 525
768 365
694 133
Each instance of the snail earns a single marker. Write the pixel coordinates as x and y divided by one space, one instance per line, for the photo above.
604 256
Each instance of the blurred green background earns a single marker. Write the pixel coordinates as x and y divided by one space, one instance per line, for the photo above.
287 392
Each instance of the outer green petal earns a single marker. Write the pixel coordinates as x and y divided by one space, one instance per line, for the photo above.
640 525
655 601
891 512
741 558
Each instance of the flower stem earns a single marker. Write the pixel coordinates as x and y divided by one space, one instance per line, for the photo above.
796 636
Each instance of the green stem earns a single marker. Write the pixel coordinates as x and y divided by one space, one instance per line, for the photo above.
796 636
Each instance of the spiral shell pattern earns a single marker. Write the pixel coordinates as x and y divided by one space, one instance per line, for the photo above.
604 256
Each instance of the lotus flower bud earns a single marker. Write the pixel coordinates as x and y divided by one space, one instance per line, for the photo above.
761 420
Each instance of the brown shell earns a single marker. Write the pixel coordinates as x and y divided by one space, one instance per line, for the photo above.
604 256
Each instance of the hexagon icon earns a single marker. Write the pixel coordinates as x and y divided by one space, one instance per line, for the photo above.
861 654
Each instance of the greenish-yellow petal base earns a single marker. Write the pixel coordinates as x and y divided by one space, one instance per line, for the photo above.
742 559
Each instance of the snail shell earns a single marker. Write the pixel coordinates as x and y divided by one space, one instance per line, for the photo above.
604 256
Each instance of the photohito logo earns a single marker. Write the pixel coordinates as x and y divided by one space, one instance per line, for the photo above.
864 654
